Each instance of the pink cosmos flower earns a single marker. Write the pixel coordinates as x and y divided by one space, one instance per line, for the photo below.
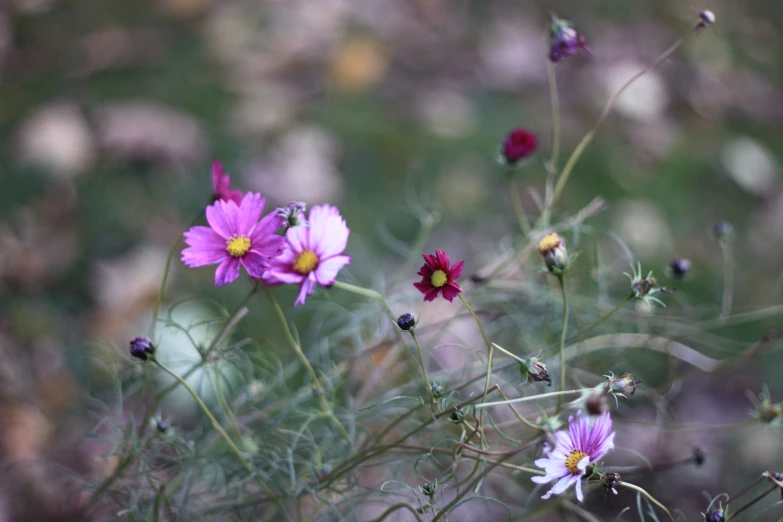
439 276
314 254
221 185
583 444
235 237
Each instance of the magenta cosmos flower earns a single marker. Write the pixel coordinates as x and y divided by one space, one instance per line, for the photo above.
585 442
438 276
314 253
235 237
221 185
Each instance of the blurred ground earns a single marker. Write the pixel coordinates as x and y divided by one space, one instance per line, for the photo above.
111 113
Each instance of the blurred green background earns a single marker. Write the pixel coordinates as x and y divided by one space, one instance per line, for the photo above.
111 113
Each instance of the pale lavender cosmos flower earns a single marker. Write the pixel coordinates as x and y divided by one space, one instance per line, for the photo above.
314 254
585 442
235 237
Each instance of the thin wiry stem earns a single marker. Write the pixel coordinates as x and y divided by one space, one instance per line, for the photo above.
564 331
516 205
749 504
529 398
728 280
649 497
427 383
552 166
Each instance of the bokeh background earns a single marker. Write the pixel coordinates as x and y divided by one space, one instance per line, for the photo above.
111 113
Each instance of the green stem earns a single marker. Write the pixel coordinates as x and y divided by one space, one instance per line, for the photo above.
649 497
427 383
564 331
224 403
498 347
561 182
366 292
517 414
516 204
322 402
526 399
728 280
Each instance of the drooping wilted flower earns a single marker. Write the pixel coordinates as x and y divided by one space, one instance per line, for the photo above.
535 370
553 249
622 385
439 276
142 348
314 254
221 185
293 214
645 288
564 40
518 145
680 266
406 322
234 237
585 442
611 480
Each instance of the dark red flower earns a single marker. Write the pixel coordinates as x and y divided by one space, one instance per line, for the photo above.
519 144
438 276
221 185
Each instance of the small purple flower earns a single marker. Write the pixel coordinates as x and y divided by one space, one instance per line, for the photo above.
314 254
142 348
585 442
221 185
235 237
564 40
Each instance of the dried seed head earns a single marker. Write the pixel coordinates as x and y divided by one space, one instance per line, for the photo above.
610 480
623 385
535 370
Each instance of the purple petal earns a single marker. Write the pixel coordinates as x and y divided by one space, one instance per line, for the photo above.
327 234
579 496
231 213
305 289
195 257
249 213
227 271
326 273
216 218
255 264
561 485
269 246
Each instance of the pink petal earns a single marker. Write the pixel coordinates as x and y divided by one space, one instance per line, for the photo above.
279 277
423 286
443 259
326 273
227 271
450 291
431 261
432 294
561 485
204 238
297 238
232 195
579 496
194 257
255 264
249 212
456 270
220 181
305 289
328 234
217 219
268 225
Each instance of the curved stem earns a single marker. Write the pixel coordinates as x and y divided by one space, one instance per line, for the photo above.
322 402
395 507
728 280
746 506
563 333
366 292
516 204
649 497
427 383
223 404
561 182
530 398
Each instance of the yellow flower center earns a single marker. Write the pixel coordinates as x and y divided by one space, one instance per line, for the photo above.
550 242
238 246
305 262
439 278
572 461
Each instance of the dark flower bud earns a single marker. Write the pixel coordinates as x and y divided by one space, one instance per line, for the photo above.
519 144
535 370
142 348
564 40
429 489
406 322
699 456
622 385
723 231
437 390
610 480
715 515
162 425
597 403
294 214
457 416
680 266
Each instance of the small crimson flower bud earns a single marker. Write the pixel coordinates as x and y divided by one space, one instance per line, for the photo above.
715 515
406 322
535 370
519 144
437 390
552 248
294 214
680 266
142 348
610 480
723 231
429 488
564 40
457 416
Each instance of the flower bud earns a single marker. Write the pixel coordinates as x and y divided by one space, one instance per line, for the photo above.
519 144
621 385
552 248
610 480
429 488
723 231
680 266
294 214
564 40
142 348
535 370
706 18
715 515
457 416
406 322
437 390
